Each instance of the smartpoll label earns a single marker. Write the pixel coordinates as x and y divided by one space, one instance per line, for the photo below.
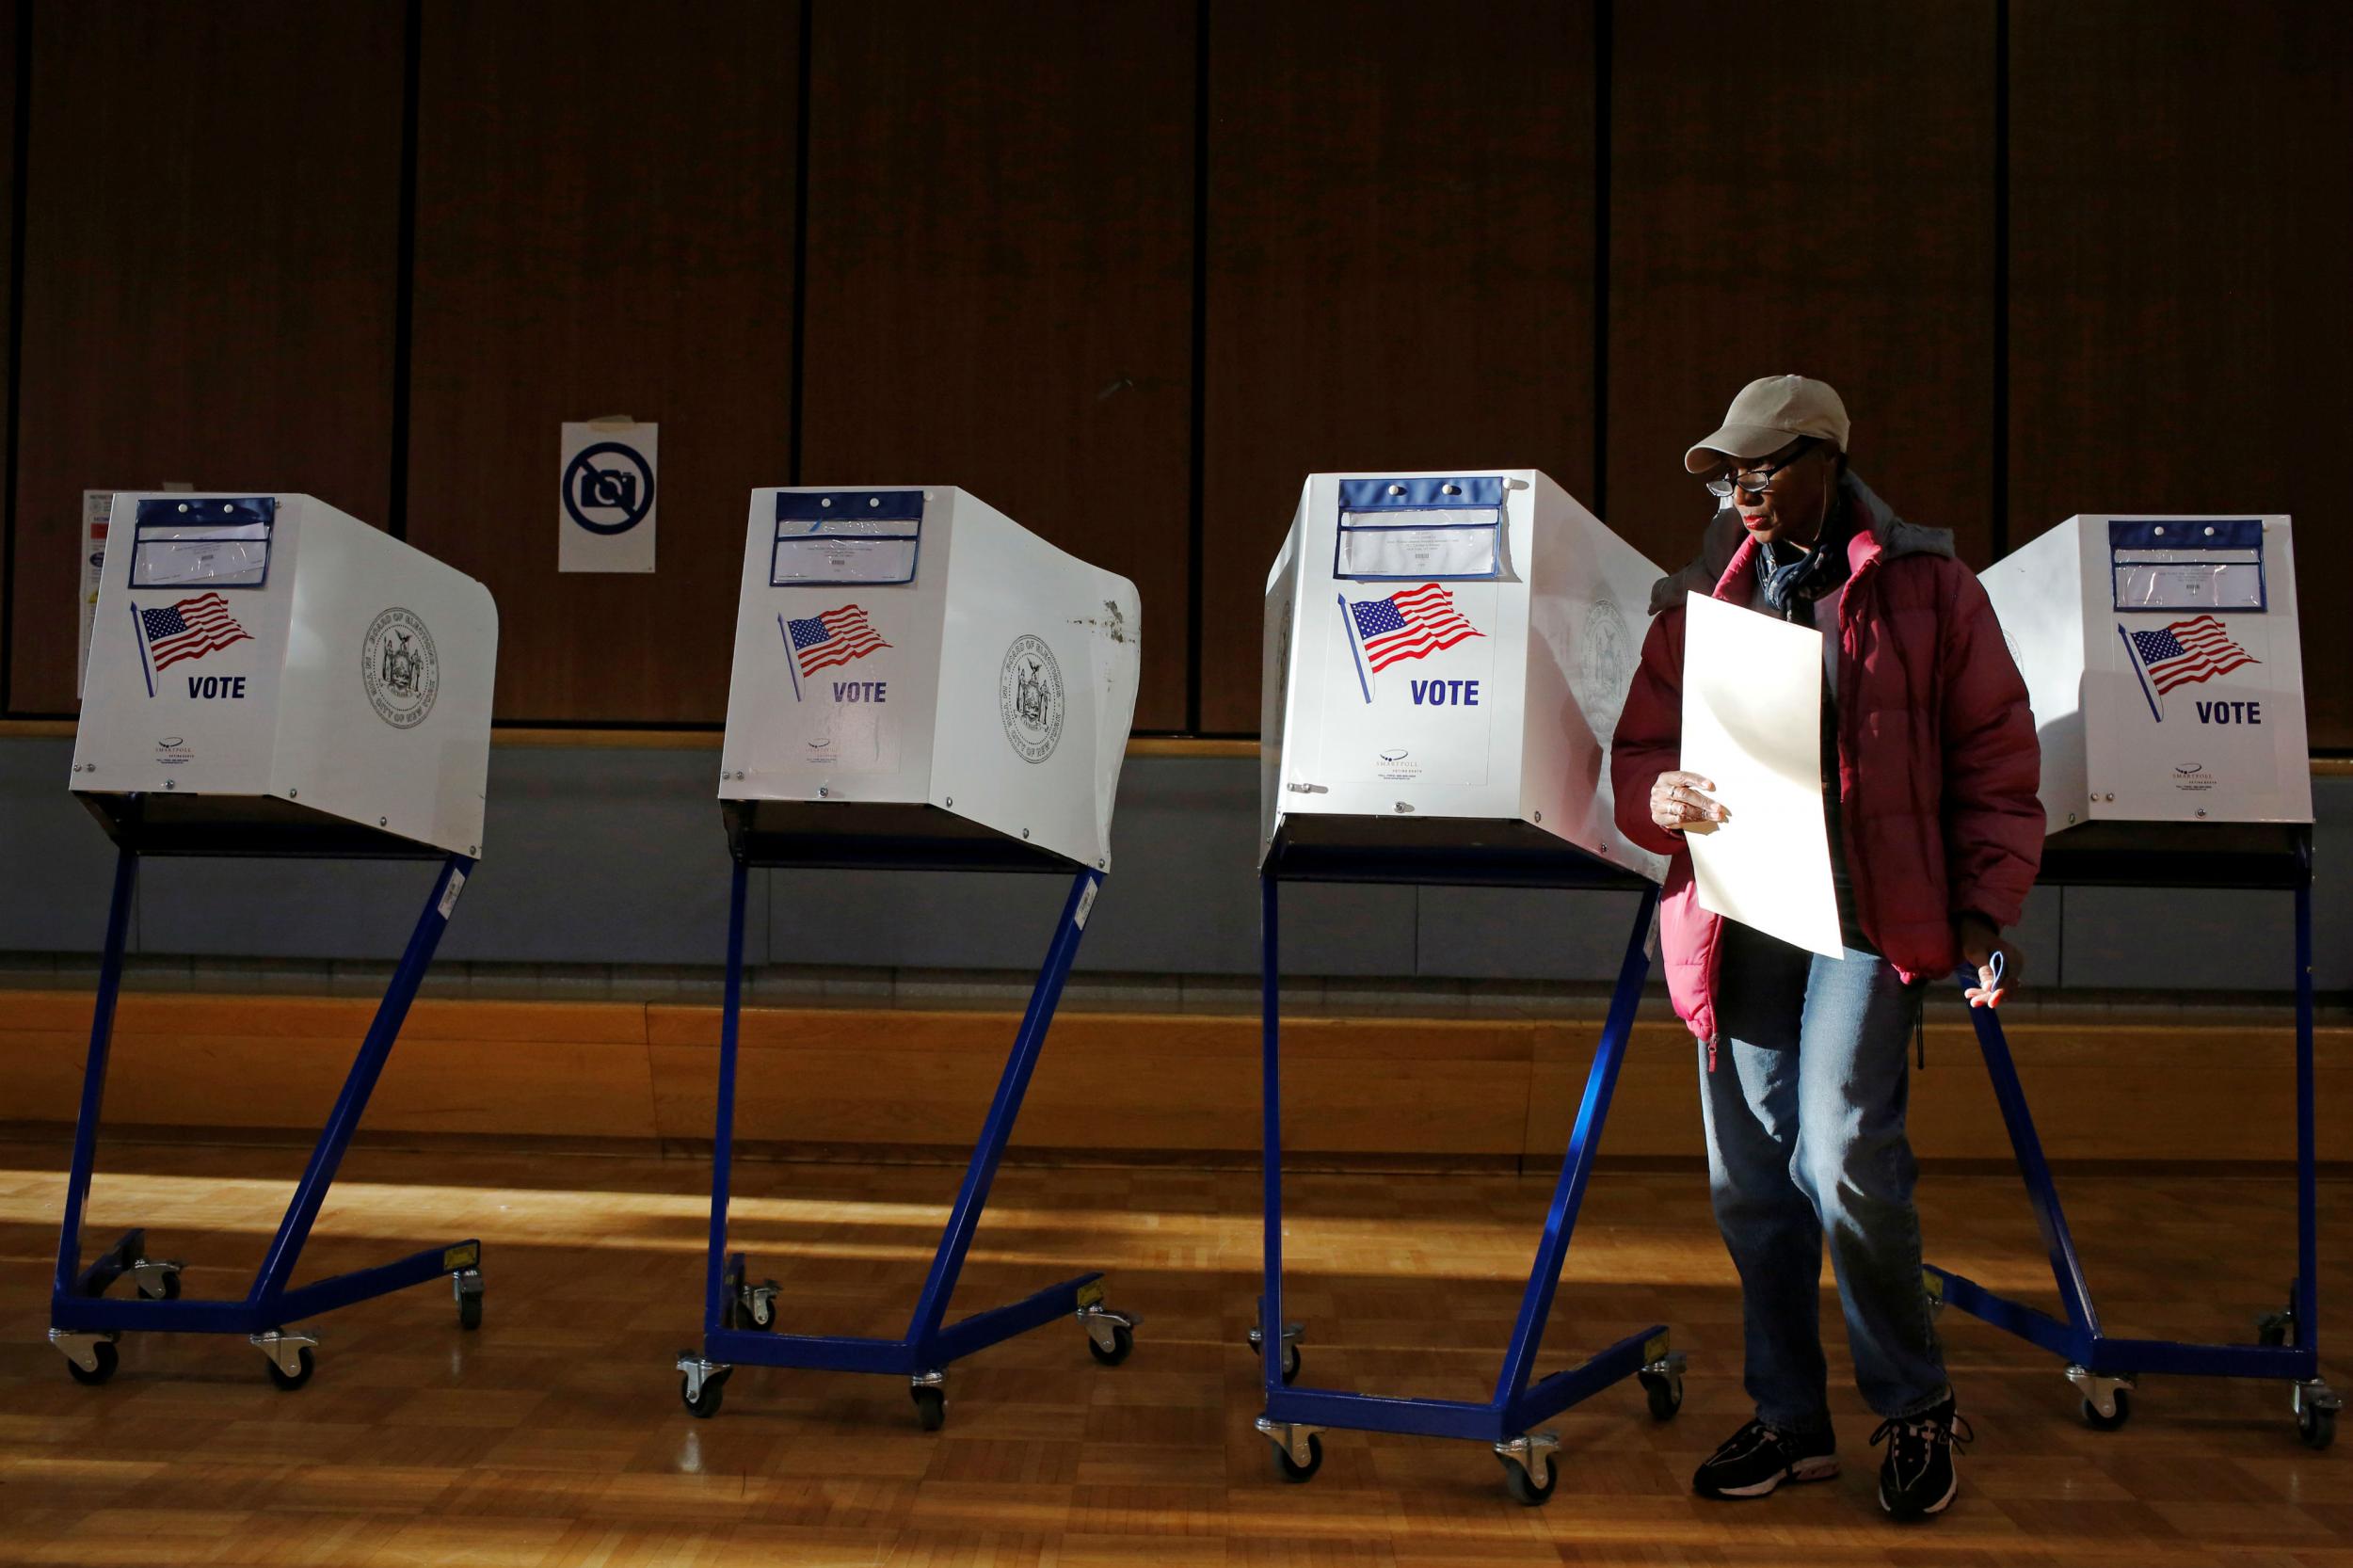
97 505
606 495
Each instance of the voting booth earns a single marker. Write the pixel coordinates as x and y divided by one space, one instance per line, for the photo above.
921 684
270 676
2162 659
1445 657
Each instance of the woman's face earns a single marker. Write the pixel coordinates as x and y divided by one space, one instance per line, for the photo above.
1794 503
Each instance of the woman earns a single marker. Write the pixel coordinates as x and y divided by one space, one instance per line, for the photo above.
1930 770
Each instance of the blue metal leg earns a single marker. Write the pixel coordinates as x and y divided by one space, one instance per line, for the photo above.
1577 1167
984 1329
2066 1268
269 1285
927 1346
76 1306
2307 1190
1291 1413
2080 1339
103 1270
69 1283
956 1239
361 1284
1270 1347
723 1132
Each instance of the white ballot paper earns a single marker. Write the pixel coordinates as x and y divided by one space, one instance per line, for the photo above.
1753 725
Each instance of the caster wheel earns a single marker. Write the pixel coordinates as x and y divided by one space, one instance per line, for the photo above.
108 1359
169 1290
2316 1426
2275 1329
289 1384
1291 1357
1294 1472
752 1308
1292 1363
1123 1345
705 1404
1523 1488
1665 1393
2098 1422
931 1407
470 1310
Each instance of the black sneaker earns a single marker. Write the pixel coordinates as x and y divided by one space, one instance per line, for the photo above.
1918 1476
1758 1457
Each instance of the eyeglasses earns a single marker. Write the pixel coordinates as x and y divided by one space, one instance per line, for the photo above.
1758 482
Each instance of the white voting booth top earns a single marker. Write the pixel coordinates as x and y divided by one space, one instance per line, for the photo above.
2162 658
1449 645
265 659
909 646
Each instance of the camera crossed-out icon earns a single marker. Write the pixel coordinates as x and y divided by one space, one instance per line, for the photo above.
608 488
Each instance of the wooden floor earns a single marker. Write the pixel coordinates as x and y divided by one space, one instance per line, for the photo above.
554 1435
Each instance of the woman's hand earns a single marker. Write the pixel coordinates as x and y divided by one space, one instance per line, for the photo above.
1675 802
1997 962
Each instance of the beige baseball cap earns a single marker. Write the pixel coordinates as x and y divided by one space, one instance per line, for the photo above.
1769 414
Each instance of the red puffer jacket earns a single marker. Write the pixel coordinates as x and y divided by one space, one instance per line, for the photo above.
1937 757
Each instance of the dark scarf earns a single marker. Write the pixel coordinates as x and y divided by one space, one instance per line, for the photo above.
1788 585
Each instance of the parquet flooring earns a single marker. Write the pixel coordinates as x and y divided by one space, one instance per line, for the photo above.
554 1437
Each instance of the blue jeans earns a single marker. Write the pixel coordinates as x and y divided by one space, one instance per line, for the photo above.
1805 1135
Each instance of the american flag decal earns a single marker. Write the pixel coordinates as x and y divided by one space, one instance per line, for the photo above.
190 630
2187 652
1413 623
835 637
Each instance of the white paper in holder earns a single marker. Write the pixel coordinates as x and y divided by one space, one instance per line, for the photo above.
1752 725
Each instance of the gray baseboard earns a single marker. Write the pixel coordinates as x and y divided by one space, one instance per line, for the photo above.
605 863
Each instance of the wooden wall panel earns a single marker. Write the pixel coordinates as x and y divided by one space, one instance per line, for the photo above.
1160 1086
1000 275
12 16
604 226
1831 211
1134 1080
572 1070
2181 218
1400 243
212 223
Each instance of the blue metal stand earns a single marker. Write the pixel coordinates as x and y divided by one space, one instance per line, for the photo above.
85 1324
2106 1368
1293 1417
737 1315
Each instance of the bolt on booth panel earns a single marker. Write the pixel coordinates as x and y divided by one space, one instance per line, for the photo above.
1445 657
270 676
919 684
2162 659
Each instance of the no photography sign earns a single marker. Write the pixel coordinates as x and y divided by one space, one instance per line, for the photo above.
606 492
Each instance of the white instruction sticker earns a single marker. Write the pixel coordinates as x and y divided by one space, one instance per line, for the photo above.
1086 901
1456 550
449 894
97 506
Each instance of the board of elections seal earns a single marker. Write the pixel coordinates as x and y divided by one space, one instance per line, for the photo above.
1606 656
399 668
1030 699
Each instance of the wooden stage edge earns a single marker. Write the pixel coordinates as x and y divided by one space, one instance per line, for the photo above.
1112 1088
